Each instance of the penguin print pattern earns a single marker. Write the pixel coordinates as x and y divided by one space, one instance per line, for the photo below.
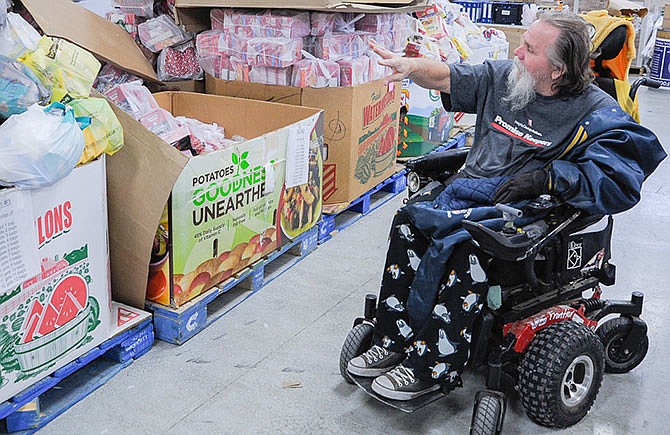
440 347
394 304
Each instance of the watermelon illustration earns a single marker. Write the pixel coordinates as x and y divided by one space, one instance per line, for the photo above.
67 300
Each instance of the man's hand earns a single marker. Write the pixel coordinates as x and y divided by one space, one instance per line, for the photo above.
401 66
523 186
427 73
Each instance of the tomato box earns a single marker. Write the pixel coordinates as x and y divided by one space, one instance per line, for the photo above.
360 129
55 300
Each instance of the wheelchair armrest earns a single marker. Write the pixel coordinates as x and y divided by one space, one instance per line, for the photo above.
437 163
509 248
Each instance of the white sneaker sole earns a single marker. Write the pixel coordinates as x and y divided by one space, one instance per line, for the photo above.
400 395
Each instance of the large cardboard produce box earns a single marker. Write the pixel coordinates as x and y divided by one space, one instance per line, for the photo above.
360 129
424 124
54 288
225 210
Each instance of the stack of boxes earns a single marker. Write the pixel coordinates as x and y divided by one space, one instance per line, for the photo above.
660 61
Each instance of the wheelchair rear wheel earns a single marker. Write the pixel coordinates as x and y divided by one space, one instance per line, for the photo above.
358 341
613 333
561 373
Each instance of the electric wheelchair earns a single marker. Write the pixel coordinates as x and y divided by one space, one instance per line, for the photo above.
546 281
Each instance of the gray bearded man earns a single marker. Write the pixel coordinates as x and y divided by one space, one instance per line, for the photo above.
542 127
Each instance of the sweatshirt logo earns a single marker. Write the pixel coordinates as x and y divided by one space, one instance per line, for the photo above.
516 132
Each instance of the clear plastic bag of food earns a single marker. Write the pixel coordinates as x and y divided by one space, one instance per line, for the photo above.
39 146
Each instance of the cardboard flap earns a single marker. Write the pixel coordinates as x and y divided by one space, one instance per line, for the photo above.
194 14
106 40
136 201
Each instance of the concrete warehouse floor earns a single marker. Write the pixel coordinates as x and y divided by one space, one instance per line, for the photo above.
232 378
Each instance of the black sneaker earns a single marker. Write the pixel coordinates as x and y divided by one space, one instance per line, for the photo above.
401 384
374 362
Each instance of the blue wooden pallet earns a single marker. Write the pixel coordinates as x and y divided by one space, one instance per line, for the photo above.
55 394
179 325
375 197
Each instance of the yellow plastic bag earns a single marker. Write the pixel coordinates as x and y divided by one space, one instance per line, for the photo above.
104 134
62 66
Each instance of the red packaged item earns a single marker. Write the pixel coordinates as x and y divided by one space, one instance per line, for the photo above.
110 76
375 23
133 98
269 75
217 66
338 45
315 73
127 21
217 16
277 52
141 8
323 23
161 32
268 23
179 63
239 70
164 125
354 71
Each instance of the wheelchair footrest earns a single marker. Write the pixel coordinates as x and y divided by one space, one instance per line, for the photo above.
403 405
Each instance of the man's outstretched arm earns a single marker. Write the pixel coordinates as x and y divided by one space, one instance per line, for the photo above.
427 73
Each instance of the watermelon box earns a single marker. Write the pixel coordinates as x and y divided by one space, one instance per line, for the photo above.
55 288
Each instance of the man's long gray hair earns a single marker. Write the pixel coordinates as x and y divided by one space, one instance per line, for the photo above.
570 53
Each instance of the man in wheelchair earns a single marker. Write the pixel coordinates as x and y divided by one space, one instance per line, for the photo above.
542 128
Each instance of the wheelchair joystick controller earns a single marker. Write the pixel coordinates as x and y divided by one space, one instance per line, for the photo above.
509 214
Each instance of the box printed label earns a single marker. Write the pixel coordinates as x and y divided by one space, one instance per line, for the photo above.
18 248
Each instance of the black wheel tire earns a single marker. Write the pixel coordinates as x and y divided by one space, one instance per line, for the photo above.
560 354
485 416
612 334
358 341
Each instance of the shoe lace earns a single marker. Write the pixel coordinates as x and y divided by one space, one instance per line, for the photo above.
375 354
402 375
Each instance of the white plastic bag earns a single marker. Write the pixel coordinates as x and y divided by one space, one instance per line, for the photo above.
39 146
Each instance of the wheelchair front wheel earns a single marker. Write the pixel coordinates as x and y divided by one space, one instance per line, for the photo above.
488 414
612 333
561 373
358 341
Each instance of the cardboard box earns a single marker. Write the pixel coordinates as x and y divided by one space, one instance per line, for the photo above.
360 129
55 300
194 14
229 208
141 176
226 209
424 124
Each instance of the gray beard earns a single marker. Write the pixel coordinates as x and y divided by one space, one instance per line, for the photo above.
520 87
